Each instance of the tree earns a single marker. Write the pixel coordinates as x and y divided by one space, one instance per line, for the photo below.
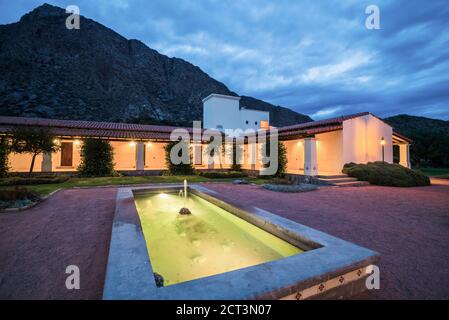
282 158
4 151
236 149
182 168
97 158
34 141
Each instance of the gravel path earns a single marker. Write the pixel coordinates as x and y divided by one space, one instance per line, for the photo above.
409 227
73 227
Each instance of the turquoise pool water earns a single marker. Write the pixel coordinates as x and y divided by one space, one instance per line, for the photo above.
208 242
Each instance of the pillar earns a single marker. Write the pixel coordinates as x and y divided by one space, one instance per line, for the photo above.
404 155
310 158
47 164
140 156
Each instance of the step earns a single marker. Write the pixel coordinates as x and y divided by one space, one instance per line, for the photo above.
339 180
336 176
352 184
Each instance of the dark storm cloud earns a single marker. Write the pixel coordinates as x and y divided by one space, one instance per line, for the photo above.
316 57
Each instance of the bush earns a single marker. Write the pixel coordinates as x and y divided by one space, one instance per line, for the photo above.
178 169
281 181
290 188
282 158
4 151
15 181
223 174
97 158
386 174
17 194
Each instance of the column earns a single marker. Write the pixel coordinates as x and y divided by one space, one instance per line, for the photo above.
140 156
310 159
404 155
47 164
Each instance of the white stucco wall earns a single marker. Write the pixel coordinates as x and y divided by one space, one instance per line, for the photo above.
219 110
224 112
329 148
361 140
251 119
295 154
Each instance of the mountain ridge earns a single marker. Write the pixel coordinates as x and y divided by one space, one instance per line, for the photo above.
94 73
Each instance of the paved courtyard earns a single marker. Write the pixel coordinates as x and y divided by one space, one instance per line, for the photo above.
408 227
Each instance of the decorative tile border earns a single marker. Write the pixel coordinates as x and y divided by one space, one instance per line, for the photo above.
334 283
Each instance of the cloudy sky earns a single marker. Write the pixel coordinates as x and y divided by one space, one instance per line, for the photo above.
316 57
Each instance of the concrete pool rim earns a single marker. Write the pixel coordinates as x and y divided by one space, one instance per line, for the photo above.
129 274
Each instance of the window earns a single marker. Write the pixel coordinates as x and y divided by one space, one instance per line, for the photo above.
66 154
219 127
247 122
255 123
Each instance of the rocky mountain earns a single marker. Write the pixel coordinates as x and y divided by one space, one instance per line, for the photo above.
96 74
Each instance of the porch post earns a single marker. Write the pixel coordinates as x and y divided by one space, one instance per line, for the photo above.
47 164
404 155
310 159
140 158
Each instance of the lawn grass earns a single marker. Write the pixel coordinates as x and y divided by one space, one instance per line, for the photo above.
45 189
436 172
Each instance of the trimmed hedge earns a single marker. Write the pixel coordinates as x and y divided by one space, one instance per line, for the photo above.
17 181
223 174
386 174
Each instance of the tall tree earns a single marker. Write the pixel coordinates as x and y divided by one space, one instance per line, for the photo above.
97 158
34 141
4 152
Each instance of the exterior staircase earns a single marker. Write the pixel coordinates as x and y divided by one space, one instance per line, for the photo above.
341 180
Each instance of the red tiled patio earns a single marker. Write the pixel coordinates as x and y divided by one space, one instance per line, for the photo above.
408 227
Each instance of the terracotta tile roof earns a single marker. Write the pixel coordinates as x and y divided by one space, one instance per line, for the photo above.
116 130
320 123
91 128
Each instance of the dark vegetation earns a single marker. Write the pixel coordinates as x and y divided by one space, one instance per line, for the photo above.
97 158
386 174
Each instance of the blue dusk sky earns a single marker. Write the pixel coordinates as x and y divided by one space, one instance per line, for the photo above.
315 57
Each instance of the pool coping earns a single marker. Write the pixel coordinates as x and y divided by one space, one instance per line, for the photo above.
129 274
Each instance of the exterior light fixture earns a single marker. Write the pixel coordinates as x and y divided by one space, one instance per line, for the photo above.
382 143
148 144
76 142
56 141
132 144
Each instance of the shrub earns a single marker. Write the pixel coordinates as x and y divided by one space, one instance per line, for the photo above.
236 149
4 151
15 181
386 174
17 194
281 181
282 158
97 158
223 174
182 168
